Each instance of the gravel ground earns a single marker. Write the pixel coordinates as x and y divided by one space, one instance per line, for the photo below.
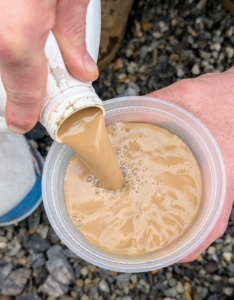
166 40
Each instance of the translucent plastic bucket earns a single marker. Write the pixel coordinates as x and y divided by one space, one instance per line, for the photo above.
201 143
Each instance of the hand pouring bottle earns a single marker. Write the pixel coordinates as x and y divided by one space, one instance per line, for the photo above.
20 177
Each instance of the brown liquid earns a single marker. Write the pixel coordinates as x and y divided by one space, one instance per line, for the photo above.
85 132
158 202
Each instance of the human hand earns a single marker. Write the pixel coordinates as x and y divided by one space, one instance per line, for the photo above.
24 28
210 97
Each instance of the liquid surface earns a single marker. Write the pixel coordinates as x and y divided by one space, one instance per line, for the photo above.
85 132
158 202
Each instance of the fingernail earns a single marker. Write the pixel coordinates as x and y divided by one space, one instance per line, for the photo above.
90 65
16 129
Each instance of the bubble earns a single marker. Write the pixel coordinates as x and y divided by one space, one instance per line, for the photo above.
133 187
124 171
133 183
97 191
117 151
114 127
135 171
129 175
79 223
138 178
125 147
128 129
96 183
114 192
89 178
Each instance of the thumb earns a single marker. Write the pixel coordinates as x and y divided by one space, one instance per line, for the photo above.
69 31
25 85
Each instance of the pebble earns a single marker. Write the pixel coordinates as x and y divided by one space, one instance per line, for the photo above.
36 242
229 52
180 73
84 271
15 282
195 69
104 287
227 256
53 288
170 292
228 291
179 287
60 269
5 270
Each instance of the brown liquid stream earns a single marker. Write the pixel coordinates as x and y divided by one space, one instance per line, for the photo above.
159 198
85 132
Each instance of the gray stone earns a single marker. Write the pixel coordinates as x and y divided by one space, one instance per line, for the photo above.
228 291
143 52
34 219
16 247
36 242
5 270
132 68
23 235
172 292
229 52
69 254
53 288
44 231
55 249
29 296
231 267
123 277
180 287
204 54
93 291
104 287
134 278
84 271
15 282
39 262
180 73
39 275
172 282
195 69
60 269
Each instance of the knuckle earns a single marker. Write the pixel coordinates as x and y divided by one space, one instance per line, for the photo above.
23 98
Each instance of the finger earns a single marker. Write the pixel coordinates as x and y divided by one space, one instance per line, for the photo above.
24 28
69 31
25 85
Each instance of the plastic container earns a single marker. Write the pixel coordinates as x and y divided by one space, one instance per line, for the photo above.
205 150
20 184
